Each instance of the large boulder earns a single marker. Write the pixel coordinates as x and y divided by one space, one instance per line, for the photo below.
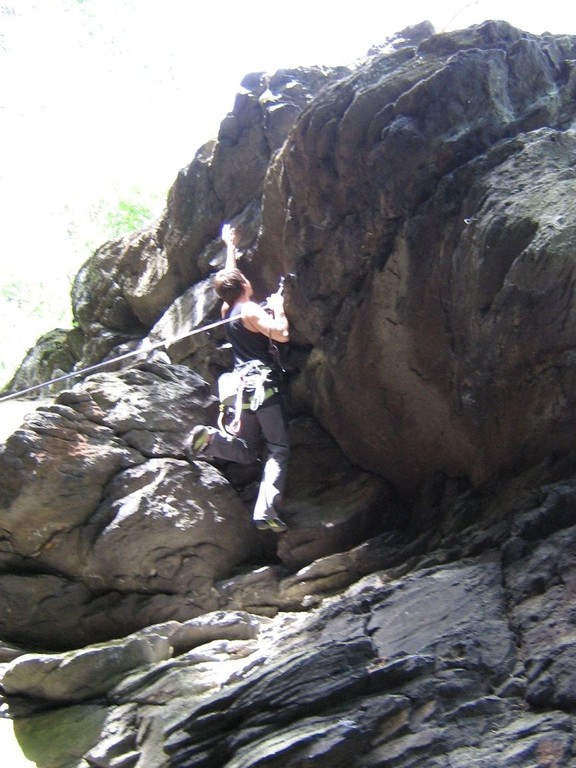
107 526
104 522
424 204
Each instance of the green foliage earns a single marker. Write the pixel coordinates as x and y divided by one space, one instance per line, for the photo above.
28 309
126 214
35 300
127 218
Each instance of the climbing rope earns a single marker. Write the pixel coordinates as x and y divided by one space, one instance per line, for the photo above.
98 366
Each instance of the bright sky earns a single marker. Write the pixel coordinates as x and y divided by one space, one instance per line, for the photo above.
99 94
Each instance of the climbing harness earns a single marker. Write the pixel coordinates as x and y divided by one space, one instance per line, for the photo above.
247 387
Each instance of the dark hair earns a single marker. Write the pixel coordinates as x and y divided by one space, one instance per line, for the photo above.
229 285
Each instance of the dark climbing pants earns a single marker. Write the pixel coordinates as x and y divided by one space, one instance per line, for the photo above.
268 425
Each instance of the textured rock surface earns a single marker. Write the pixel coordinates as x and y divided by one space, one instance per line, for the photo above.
440 659
54 355
419 610
429 226
106 527
127 285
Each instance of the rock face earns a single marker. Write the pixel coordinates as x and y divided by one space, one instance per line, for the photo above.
434 249
419 610
462 655
128 285
106 527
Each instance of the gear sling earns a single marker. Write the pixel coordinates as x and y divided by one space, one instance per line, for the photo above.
245 388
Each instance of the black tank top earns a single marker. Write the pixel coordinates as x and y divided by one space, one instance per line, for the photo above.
247 345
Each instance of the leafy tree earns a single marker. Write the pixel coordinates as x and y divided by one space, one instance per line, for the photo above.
126 217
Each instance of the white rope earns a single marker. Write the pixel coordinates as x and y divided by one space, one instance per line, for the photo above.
98 366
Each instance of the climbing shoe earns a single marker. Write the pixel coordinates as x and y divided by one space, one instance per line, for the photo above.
271 524
277 525
198 440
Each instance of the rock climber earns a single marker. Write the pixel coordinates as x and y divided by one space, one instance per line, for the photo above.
253 331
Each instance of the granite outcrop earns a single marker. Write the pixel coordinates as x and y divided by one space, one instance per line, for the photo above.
419 609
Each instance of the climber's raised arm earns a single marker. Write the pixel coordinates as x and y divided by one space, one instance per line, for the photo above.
229 237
